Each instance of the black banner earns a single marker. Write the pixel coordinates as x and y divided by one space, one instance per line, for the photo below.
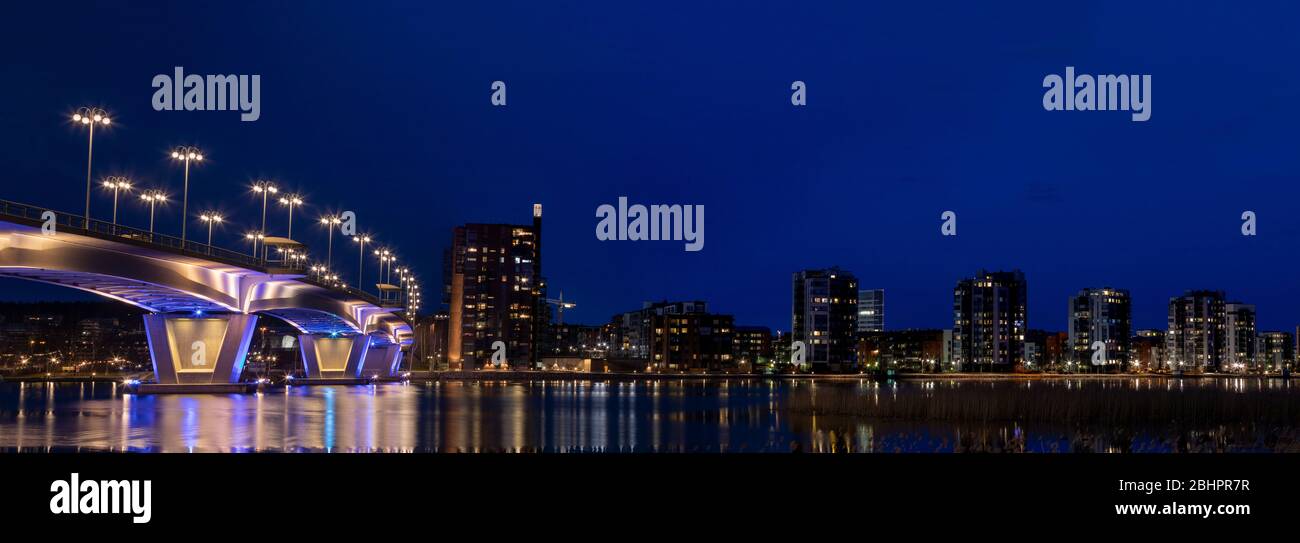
315 492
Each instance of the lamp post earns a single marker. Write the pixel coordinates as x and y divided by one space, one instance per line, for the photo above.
254 238
211 219
330 222
291 200
186 153
154 197
361 259
386 259
294 258
90 116
266 189
117 183
401 279
382 256
406 289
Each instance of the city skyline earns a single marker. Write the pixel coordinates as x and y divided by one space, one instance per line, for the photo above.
25 291
503 230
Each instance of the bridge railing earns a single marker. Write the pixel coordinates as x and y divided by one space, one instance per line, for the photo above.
37 216
351 291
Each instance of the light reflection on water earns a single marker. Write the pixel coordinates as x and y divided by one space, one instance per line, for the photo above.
734 415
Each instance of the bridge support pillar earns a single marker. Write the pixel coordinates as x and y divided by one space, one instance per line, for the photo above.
382 360
198 350
333 357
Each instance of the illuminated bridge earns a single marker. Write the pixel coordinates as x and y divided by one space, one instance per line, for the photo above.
204 301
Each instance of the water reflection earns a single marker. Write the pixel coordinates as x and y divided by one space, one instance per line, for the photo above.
735 415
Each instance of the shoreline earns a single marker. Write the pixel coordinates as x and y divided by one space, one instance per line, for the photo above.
492 375
525 376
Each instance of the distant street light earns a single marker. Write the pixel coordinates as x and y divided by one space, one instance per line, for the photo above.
186 153
211 219
117 183
361 258
154 197
266 189
331 222
254 237
291 200
90 116
383 256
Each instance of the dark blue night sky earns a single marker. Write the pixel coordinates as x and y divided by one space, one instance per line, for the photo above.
914 108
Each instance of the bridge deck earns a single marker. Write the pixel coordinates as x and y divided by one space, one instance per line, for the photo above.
35 216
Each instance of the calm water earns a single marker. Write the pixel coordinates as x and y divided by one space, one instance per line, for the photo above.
739 415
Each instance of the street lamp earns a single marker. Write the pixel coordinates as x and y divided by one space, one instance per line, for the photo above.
292 256
330 222
154 197
266 189
361 258
318 270
291 200
254 238
382 256
186 153
116 183
90 116
211 219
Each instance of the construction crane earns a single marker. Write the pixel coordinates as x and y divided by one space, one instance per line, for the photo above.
560 306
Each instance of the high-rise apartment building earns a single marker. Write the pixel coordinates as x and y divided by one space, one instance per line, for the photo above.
1239 337
825 318
495 292
1100 315
1195 339
990 320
